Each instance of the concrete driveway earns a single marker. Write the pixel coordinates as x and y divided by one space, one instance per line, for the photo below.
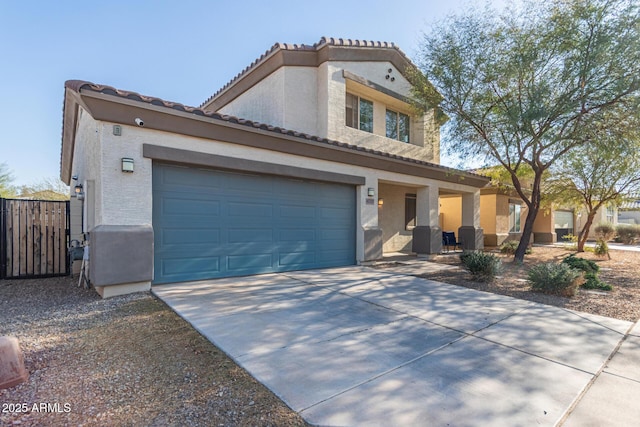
357 346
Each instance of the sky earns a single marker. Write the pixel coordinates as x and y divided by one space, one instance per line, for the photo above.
181 51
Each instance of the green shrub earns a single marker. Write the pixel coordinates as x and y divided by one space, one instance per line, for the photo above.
482 266
581 264
605 231
592 281
627 233
570 238
590 269
601 248
509 247
559 279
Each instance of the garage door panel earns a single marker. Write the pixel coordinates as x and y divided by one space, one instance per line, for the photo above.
196 267
260 262
190 236
180 206
250 235
297 211
211 224
297 259
248 209
297 235
189 179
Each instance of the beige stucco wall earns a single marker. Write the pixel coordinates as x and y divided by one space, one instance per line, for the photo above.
424 137
601 217
488 213
87 166
287 98
451 213
395 236
312 100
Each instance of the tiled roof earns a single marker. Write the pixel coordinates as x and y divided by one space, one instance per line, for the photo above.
631 203
79 85
331 41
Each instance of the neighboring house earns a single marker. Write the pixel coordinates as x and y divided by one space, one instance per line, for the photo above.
629 211
502 216
311 157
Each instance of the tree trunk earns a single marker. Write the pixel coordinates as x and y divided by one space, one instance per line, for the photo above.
584 234
527 231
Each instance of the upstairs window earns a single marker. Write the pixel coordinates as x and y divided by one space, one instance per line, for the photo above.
397 126
359 113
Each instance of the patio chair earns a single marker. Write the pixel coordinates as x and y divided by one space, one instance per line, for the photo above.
449 240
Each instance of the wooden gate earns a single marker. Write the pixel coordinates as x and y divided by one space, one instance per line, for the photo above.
34 238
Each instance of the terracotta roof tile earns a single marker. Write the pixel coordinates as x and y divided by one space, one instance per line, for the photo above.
79 85
331 41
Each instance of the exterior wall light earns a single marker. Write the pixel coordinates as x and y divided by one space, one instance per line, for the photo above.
127 164
371 191
380 202
79 192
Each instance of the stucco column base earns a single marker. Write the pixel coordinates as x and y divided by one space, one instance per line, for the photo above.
120 255
427 240
129 288
471 238
545 237
495 239
372 244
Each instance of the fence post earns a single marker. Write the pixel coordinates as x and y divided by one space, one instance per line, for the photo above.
3 239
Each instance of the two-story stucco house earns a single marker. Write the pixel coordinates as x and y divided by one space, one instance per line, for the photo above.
311 157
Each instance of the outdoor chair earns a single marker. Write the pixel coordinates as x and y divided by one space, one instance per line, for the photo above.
449 240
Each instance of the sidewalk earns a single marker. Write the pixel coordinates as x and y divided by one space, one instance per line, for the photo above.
612 398
612 246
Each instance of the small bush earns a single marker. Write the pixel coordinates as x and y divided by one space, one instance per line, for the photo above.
627 233
581 264
509 247
592 281
601 248
605 231
482 266
559 279
570 238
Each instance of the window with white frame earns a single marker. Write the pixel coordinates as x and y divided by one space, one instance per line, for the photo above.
514 217
397 125
359 113
609 214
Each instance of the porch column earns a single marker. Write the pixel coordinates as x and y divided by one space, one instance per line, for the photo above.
470 233
369 233
427 235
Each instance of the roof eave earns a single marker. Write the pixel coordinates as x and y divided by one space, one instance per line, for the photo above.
196 123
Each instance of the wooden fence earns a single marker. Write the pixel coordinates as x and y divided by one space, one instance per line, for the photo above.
34 238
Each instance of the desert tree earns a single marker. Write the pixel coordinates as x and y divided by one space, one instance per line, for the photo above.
521 87
601 172
6 178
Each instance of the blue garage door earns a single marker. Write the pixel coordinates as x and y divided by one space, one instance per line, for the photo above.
210 224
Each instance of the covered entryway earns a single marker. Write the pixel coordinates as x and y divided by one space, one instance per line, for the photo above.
563 223
211 223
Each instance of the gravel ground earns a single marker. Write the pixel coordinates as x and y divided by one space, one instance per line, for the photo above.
125 361
130 361
621 271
